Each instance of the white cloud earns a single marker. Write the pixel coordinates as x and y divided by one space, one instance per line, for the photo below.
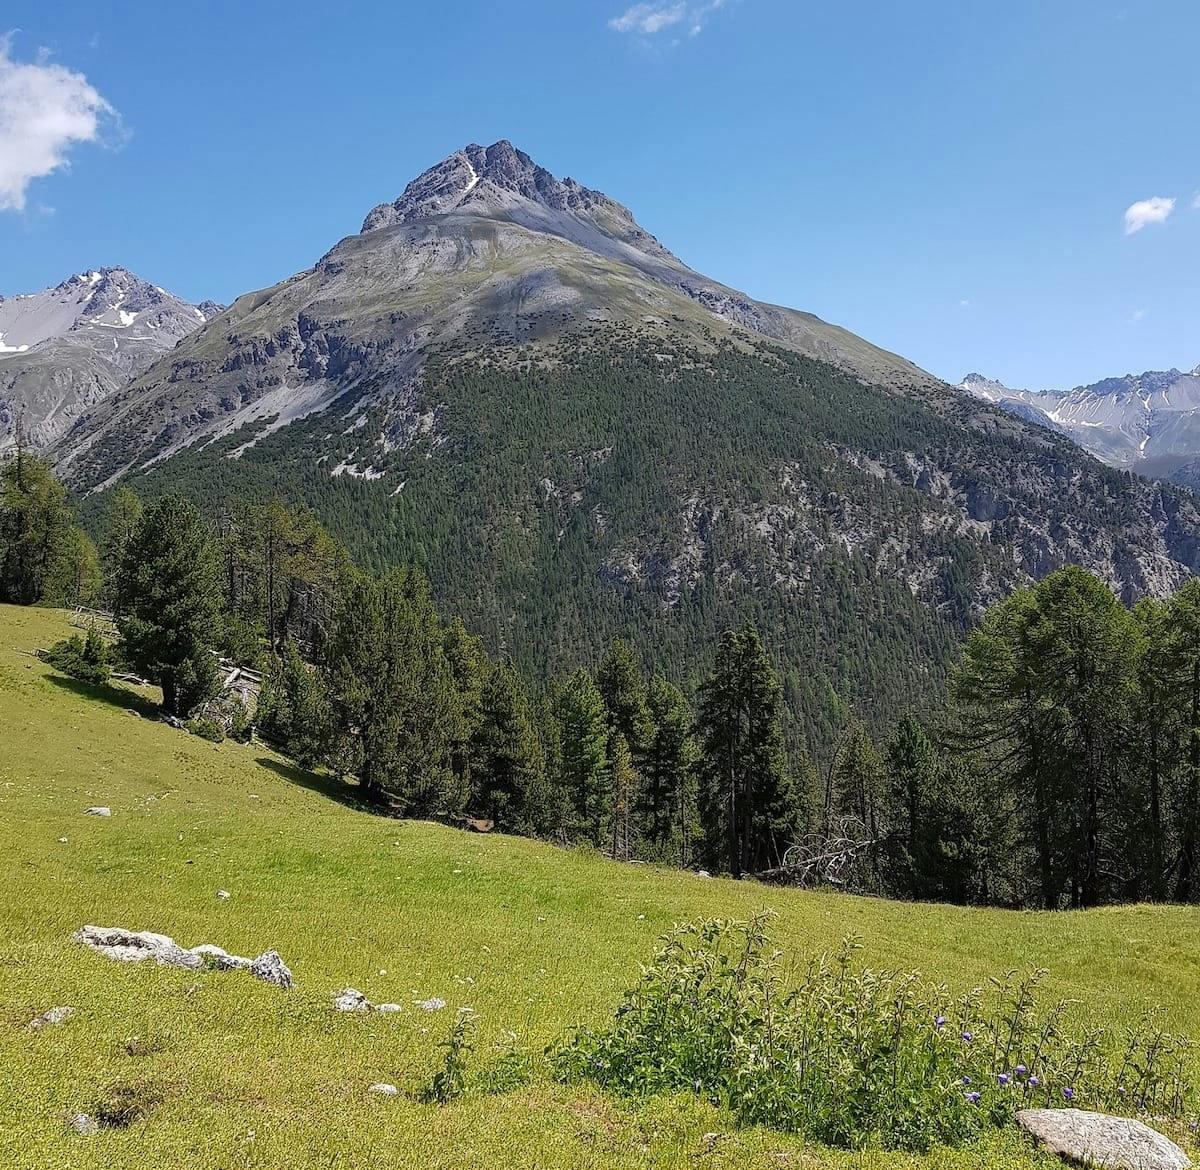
646 19
44 110
1147 211
1138 315
1196 202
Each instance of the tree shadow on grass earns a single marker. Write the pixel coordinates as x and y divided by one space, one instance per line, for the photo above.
119 697
323 783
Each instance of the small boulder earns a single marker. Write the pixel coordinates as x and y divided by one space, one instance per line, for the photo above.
433 1004
270 968
57 1015
221 959
84 1123
388 1007
384 1090
133 946
1101 1141
351 1000
98 810
223 895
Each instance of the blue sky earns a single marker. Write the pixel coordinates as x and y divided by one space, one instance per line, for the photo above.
949 179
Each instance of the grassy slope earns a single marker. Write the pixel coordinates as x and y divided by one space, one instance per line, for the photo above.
531 937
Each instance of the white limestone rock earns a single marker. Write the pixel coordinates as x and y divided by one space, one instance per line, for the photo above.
1100 1141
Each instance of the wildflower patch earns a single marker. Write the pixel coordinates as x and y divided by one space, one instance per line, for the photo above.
852 1057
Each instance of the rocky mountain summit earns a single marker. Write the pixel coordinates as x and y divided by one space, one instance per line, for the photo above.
1149 422
484 250
65 349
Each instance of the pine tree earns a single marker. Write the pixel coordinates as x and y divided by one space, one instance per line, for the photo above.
470 671
750 809
293 709
121 520
508 760
623 783
391 692
168 603
74 577
1182 627
582 757
668 800
34 523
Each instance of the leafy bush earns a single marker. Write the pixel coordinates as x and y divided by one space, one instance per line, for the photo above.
206 728
87 659
450 1080
853 1057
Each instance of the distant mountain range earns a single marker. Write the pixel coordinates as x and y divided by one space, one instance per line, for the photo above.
505 379
1147 422
65 349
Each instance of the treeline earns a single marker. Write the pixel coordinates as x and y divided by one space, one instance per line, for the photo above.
1062 771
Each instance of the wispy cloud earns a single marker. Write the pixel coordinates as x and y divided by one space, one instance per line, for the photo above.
1138 315
1196 201
648 19
1147 211
45 109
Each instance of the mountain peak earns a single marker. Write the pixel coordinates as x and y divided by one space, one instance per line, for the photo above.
501 181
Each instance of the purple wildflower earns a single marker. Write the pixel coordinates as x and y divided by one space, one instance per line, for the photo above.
966 1080
973 1098
1002 1078
968 1037
940 1022
1034 1082
1020 1070
1069 1094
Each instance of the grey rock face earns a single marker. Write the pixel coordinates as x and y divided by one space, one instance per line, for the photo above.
1096 1139
220 959
270 968
65 349
1142 421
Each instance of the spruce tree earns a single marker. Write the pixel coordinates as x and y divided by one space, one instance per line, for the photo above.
508 760
751 811
34 523
168 603
392 695
582 757
668 801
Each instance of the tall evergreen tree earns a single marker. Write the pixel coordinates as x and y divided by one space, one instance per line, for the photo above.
1182 626
750 809
391 692
120 522
582 757
507 755
34 524
168 603
668 799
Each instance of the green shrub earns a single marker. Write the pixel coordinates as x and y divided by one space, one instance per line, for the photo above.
87 659
206 728
450 1080
853 1057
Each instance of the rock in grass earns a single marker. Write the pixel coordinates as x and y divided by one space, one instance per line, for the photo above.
388 1007
84 1123
384 1090
98 810
1101 1141
221 959
270 968
351 1000
57 1015
136 946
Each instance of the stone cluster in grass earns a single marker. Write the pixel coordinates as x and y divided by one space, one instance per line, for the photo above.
352 1000
133 946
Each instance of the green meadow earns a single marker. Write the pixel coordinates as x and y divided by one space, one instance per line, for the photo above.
533 938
